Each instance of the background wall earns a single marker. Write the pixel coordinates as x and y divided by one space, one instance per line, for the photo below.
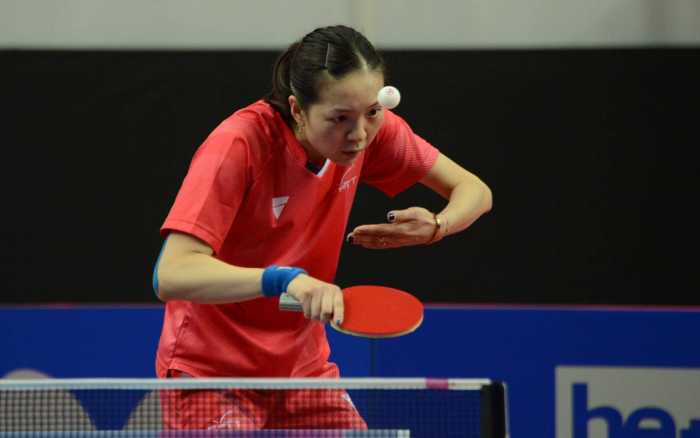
579 116
268 24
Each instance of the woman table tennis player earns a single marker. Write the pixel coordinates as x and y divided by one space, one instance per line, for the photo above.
263 209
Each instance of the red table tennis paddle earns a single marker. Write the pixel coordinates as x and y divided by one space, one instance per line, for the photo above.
372 311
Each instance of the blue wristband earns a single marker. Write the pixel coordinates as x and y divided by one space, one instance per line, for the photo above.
275 279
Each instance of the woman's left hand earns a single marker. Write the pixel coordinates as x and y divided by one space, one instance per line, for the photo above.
412 226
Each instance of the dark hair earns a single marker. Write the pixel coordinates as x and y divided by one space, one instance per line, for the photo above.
337 50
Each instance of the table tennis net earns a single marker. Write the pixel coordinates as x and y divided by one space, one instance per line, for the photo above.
346 407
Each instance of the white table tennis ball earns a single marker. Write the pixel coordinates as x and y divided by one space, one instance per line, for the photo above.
389 97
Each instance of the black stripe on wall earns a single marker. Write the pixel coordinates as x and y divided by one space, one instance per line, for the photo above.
588 153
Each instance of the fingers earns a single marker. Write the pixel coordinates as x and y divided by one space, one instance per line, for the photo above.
320 301
315 307
379 236
409 214
412 226
326 304
381 241
374 239
338 308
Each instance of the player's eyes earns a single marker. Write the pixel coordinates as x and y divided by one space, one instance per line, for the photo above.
374 112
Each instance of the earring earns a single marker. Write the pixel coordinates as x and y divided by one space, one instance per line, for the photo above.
299 129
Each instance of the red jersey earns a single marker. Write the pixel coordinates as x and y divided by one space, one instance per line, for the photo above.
249 195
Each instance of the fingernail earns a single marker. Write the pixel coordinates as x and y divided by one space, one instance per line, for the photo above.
350 239
391 217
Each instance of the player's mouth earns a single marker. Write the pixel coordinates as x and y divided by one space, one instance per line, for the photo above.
352 152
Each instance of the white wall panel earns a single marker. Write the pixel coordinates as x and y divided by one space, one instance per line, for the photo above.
260 24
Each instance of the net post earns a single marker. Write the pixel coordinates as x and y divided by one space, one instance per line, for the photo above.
494 418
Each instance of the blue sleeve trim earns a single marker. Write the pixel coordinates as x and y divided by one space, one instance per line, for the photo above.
155 269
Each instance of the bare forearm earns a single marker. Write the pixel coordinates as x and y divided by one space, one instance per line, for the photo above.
204 279
468 198
467 202
201 278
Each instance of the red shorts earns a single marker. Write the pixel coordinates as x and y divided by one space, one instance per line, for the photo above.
245 409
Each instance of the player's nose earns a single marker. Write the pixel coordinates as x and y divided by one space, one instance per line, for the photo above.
358 133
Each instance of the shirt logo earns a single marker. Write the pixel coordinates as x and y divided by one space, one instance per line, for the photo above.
345 182
278 205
